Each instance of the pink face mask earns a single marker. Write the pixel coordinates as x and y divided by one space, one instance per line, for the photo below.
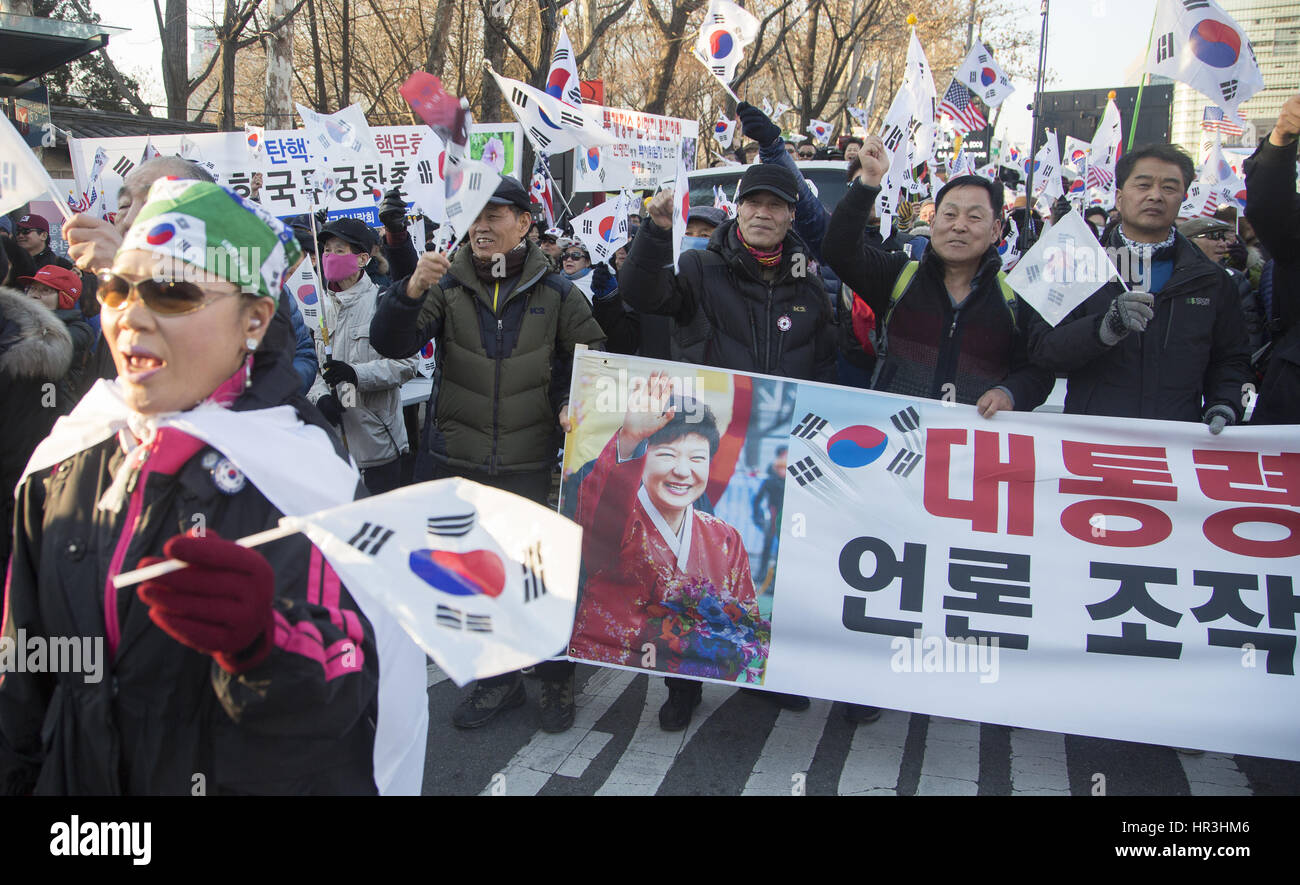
338 267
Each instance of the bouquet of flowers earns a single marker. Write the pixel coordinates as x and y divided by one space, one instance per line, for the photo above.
700 630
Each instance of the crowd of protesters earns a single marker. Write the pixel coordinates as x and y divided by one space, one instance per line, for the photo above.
1204 326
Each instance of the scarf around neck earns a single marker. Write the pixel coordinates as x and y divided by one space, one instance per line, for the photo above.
515 258
765 257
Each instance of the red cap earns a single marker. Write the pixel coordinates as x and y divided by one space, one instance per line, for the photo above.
66 282
35 222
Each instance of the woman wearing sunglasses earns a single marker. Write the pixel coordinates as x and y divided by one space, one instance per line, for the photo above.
249 670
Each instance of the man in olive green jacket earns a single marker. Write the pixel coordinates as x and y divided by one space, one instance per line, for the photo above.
504 325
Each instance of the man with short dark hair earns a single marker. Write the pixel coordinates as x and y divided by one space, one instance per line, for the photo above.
807 152
951 329
506 325
1195 364
1097 219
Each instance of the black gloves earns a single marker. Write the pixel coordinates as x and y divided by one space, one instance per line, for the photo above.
392 211
331 408
756 125
336 372
600 278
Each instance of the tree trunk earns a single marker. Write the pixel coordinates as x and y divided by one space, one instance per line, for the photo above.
437 58
279 69
175 63
494 51
672 52
227 45
319 103
345 98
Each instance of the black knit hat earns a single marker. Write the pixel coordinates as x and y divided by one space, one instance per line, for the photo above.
769 177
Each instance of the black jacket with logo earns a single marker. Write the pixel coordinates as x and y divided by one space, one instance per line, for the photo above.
1193 354
782 327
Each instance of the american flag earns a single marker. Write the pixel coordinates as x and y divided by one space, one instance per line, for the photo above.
1215 120
1100 176
959 104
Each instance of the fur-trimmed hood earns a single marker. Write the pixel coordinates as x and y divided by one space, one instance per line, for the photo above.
34 343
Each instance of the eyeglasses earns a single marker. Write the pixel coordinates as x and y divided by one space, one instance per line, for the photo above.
1214 235
572 256
166 298
28 230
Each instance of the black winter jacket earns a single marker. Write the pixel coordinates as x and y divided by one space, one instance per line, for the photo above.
784 327
1194 353
1273 207
930 344
163 713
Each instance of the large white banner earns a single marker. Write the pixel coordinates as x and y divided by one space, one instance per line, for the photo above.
643 156
285 155
1127 579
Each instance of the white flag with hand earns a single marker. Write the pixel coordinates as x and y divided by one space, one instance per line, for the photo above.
727 30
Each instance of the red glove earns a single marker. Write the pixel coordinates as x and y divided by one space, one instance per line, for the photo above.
219 605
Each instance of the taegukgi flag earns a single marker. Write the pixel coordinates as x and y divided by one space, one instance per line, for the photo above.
727 30
562 79
724 130
342 135
484 581
552 125
1063 268
981 74
821 131
603 228
1199 44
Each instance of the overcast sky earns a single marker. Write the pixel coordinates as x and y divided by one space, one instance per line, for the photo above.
1091 44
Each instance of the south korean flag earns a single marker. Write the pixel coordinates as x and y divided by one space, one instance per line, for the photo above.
815 471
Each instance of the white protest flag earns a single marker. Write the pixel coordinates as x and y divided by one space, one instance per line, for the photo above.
341 136
428 360
591 169
1201 201
1063 268
907 130
724 130
1047 169
1076 155
681 206
562 80
1009 246
821 131
962 164
1199 44
470 184
982 75
860 117
767 110
721 201
550 124
1106 145
780 111
303 287
190 151
22 177
424 184
603 228
255 138
150 152
727 30
484 581
1217 185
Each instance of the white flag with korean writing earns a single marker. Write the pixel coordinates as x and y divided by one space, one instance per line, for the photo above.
1199 44
981 74
727 30
1062 269
484 581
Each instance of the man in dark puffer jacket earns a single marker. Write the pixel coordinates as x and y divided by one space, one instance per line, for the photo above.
766 311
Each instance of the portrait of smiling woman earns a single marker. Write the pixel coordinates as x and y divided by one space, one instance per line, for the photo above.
659 571
249 670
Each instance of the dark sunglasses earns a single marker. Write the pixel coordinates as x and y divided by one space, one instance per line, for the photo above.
1214 235
168 298
573 256
29 230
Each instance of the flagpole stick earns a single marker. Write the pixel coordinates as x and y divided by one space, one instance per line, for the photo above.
1033 129
167 566
323 290
1137 106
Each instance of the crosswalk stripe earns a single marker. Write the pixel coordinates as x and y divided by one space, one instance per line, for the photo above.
569 753
875 757
1214 774
951 766
788 750
652 751
1038 766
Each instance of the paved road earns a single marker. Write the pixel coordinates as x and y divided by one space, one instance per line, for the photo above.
738 744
